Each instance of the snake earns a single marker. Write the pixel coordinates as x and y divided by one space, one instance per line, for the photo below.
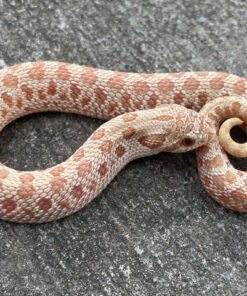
145 114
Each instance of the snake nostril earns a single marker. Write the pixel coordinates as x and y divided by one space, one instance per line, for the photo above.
188 142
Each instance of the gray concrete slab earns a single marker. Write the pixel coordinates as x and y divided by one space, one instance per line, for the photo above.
154 230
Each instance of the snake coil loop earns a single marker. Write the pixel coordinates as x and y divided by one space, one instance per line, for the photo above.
223 182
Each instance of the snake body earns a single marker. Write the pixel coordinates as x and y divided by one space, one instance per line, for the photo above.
149 113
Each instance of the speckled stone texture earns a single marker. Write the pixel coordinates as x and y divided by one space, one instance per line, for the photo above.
154 230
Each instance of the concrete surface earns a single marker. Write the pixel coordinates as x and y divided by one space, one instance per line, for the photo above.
154 230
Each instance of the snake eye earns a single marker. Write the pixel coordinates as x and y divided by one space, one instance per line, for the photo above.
188 142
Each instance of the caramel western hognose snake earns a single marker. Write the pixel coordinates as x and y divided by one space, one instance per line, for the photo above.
149 113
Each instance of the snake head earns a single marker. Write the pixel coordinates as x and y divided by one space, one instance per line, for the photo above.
188 130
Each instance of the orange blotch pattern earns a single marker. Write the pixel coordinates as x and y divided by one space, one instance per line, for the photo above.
217 161
85 101
4 112
141 88
75 91
217 83
41 94
165 86
238 194
84 168
240 87
106 146
138 103
178 97
120 150
129 117
236 106
44 204
92 186
26 178
77 191
128 133
98 134
191 84
89 77
52 88
8 100
152 141
26 189
103 169
230 177
57 183
37 72
100 95
19 103
10 81
3 173
57 171
63 72
8 204
163 118
152 102
28 212
125 100
79 154
64 205
116 82
112 107
220 181
63 97
202 98
28 91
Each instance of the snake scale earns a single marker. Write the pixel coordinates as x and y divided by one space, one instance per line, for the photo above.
147 113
